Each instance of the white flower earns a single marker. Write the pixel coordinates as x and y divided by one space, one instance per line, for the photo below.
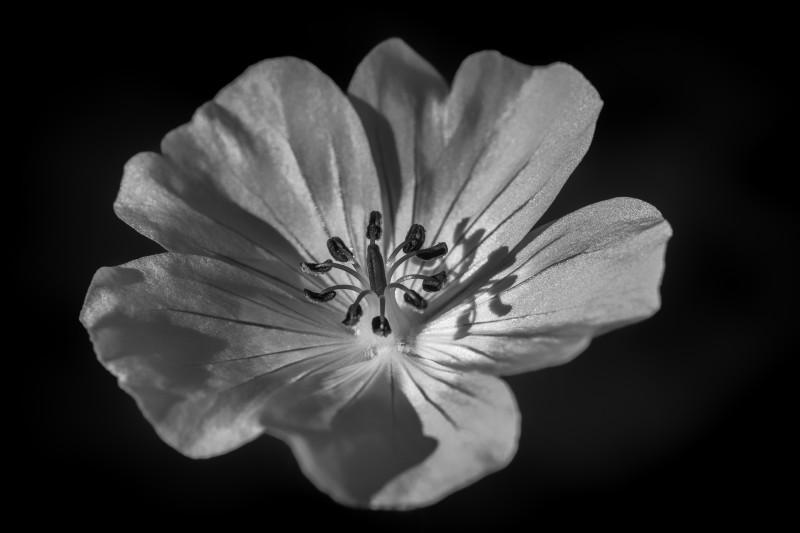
217 343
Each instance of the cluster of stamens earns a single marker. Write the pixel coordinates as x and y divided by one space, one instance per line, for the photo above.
375 280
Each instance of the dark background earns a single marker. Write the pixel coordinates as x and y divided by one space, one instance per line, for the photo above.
683 418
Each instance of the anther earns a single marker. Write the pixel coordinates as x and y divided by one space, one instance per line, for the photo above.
354 313
380 326
415 238
317 268
374 229
413 299
437 250
435 282
338 250
319 297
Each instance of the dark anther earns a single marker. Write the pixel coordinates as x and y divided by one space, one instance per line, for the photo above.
415 238
338 250
317 268
380 326
374 230
437 250
353 315
415 300
319 297
435 282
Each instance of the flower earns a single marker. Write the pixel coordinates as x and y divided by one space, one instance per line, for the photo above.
284 194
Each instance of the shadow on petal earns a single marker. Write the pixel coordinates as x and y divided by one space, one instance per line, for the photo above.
383 146
155 360
373 439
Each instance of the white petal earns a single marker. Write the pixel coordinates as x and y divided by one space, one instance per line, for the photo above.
320 174
592 271
154 200
282 147
201 345
517 134
480 166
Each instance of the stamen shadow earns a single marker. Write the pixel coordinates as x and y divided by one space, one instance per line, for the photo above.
466 243
491 287
481 283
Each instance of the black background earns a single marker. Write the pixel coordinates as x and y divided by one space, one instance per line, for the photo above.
683 418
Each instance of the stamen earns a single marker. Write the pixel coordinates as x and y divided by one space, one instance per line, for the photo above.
437 250
328 294
432 283
380 326
415 300
374 230
354 313
317 268
415 238
319 297
376 275
435 282
338 250
411 297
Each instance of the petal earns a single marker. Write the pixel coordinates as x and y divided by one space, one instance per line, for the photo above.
282 147
406 436
396 93
589 272
201 345
482 165
190 221
516 134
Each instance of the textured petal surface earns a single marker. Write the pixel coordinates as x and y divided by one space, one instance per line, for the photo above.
153 201
479 166
278 159
201 345
411 432
589 272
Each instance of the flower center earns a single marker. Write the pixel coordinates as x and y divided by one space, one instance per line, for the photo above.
374 278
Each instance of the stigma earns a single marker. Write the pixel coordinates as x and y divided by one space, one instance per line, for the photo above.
374 279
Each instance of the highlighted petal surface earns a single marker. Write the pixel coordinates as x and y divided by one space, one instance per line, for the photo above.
480 165
278 159
589 272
